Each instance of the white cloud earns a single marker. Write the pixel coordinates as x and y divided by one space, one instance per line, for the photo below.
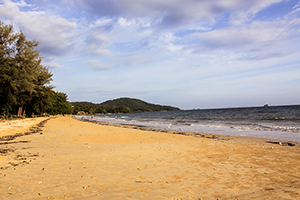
104 21
51 65
97 65
135 58
126 23
247 10
176 13
189 48
22 3
55 34
9 10
254 37
96 43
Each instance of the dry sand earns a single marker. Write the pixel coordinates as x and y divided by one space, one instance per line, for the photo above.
10 127
70 159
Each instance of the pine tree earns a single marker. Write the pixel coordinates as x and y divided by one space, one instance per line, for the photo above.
24 81
8 74
42 91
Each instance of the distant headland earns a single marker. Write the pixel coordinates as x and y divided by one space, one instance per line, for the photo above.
120 105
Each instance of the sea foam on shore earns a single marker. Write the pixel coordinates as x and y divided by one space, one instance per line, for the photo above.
279 123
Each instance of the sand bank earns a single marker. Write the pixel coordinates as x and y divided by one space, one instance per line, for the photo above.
72 159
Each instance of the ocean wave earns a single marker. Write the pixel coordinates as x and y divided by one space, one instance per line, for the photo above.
259 122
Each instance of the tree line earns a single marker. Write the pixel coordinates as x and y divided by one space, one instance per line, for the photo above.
137 105
24 83
91 108
120 105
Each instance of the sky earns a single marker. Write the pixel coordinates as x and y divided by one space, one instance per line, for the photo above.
184 53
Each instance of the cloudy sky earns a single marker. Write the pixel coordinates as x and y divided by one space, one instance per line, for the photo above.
184 53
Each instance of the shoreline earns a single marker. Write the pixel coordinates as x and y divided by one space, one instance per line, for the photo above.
224 138
72 159
275 123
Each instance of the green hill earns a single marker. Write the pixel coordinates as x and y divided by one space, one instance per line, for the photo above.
137 105
121 105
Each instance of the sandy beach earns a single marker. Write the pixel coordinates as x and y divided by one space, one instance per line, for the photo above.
65 158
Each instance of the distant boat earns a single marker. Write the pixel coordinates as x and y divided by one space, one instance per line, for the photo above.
266 105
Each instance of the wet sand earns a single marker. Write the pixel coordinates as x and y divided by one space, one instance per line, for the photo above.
70 159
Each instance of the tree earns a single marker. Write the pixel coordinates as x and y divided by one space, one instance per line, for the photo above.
59 104
8 74
42 91
24 81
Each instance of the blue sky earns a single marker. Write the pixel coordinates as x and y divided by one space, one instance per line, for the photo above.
184 53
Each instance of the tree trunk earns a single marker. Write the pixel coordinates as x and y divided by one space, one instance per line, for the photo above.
20 111
24 112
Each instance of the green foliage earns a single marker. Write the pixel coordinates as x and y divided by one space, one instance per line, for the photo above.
136 105
59 104
92 108
122 105
8 74
85 107
24 82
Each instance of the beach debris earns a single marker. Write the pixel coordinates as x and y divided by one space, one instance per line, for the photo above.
269 188
2 143
138 181
32 130
13 164
282 143
291 144
6 150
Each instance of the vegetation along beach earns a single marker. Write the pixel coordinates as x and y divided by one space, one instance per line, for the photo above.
157 100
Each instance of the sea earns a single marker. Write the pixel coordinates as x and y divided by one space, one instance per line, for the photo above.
271 122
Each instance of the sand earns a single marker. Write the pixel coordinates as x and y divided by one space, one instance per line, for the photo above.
10 127
70 159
